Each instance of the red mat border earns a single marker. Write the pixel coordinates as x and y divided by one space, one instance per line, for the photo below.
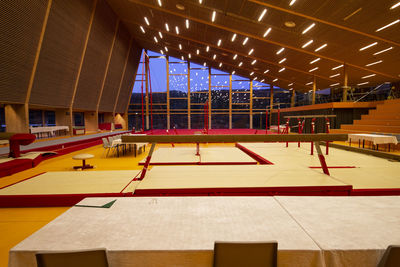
254 155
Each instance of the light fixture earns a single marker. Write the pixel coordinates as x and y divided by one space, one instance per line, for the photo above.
159 3
155 39
251 74
204 64
180 46
235 56
177 29
182 58
266 71
368 46
197 51
147 21
292 2
395 5
334 75
254 62
374 63
214 56
274 80
233 37
233 72
160 34
281 69
337 67
310 83
335 84
262 14
313 69
315 60
267 32
290 84
245 40
280 50
220 65
142 29
187 24
308 28
255 78
213 16
368 76
167 27
384 50
251 51
166 49
240 64
180 6
200 1
207 48
219 42
290 24
321 47
189 55
388 25
162 52
307 44
262 80
362 83
282 60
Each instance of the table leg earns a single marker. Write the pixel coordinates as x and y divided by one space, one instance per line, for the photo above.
363 143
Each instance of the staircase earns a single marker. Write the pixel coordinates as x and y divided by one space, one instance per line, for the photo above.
384 119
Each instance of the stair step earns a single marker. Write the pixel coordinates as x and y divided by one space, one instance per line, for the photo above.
381 116
377 122
372 128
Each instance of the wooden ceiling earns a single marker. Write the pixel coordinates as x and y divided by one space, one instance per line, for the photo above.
344 26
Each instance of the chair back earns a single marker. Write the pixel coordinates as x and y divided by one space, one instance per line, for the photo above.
249 254
105 142
391 257
92 258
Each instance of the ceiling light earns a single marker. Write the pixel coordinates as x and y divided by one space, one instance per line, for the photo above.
334 75
307 44
187 24
275 80
166 49
368 46
290 24
321 47
282 60
254 62
182 58
280 50
308 28
313 69
384 50
262 81
266 71
220 65
251 51
245 41
290 89
395 5
335 84
362 83
337 67
281 69
155 39
213 16
177 29
219 42
310 83
255 78
233 72
197 51
352 14
290 84
180 6
215 56
292 2
159 33
262 14
189 56
180 46
368 76
233 37
207 48
240 64
141 28
315 60
147 21
162 52
200 1
166 27
251 74
267 32
373 63
390 24
235 56
159 3
204 64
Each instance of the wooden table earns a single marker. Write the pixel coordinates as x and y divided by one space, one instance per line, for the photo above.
83 157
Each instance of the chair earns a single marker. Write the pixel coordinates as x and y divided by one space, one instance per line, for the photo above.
107 146
91 258
249 254
391 257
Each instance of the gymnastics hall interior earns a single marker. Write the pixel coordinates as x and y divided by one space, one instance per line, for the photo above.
154 129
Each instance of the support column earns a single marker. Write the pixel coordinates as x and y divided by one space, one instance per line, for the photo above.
271 102
314 89
251 105
345 83
17 118
209 97
168 106
230 101
146 62
293 99
188 94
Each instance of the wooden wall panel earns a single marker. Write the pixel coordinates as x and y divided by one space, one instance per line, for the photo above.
95 61
115 69
20 26
61 53
129 77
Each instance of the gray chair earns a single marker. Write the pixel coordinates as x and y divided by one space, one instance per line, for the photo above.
91 258
247 254
391 257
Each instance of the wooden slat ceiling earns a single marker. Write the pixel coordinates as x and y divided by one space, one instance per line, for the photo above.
343 34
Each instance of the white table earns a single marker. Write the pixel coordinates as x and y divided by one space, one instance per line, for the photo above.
376 139
136 146
50 130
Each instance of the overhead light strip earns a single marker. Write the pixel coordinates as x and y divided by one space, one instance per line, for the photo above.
147 21
368 76
313 69
334 75
167 27
395 5
267 32
245 40
386 26
213 16
362 83
142 29
292 2
308 28
187 24
337 67
307 44
233 37
321 47
374 63
368 46
281 69
335 84
280 50
315 60
383 51
262 14
282 60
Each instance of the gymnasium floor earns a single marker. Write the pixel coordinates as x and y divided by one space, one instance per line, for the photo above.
18 223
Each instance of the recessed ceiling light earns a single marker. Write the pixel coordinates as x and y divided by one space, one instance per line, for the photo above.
335 84
313 69
281 69
155 39
254 62
207 48
310 83
290 24
180 6
321 47
388 25
290 84
214 56
362 83
384 50
235 56
334 75
245 40
159 3
368 46
395 5
180 46
308 28
282 60
251 51
337 67
147 21
262 14
197 51
373 63
251 73
176 29
315 60
182 58
200 1
213 16
255 78
204 64
233 72
166 49
142 29
274 80
233 37
262 80
220 65
292 2
368 76
219 42
159 33
189 55
162 52
280 50
187 24
307 44
267 32
167 27
266 71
